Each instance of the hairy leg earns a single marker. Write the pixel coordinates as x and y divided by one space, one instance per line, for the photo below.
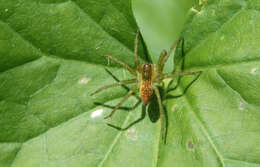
131 70
180 74
161 111
159 63
137 64
114 85
164 56
123 100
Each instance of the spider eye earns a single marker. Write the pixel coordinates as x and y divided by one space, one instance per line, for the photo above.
147 66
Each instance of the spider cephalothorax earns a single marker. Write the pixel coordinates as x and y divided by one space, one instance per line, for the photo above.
146 77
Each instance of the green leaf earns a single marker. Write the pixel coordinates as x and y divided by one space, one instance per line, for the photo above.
216 121
50 63
161 22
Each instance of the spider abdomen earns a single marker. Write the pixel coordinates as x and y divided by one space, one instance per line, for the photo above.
146 91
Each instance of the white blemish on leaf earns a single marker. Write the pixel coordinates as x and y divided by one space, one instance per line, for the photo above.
131 133
83 80
97 113
254 70
99 45
241 106
6 10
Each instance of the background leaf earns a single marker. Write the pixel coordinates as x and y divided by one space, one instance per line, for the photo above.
161 23
50 64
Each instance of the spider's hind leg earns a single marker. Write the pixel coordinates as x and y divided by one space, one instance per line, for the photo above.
131 124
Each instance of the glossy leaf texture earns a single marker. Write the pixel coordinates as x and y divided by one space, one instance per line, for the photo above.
50 63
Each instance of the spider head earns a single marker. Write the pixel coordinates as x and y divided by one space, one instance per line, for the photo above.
147 70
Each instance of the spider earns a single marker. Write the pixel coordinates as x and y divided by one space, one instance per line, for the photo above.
147 76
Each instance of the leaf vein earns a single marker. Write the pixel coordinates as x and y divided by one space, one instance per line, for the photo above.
235 91
16 155
129 49
242 161
203 128
113 143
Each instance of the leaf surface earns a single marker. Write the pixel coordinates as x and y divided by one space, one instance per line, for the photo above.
50 64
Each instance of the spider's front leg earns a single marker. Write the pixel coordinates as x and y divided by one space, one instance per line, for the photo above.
131 70
164 57
137 63
180 74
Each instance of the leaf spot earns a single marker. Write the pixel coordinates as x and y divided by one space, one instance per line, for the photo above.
222 38
190 145
174 107
131 133
97 113
6 10
254 70
241 106
83 80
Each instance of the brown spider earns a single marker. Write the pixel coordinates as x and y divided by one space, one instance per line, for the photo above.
147 75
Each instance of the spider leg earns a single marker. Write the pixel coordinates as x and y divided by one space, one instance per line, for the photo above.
159 63
164 56
114 85
137 63
180 74
131 70
161 111
131 124
131 91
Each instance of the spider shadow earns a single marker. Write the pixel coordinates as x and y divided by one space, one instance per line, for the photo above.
131 124
181 68
177 85
153 109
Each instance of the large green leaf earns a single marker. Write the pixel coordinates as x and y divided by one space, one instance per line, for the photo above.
50 63
216 121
